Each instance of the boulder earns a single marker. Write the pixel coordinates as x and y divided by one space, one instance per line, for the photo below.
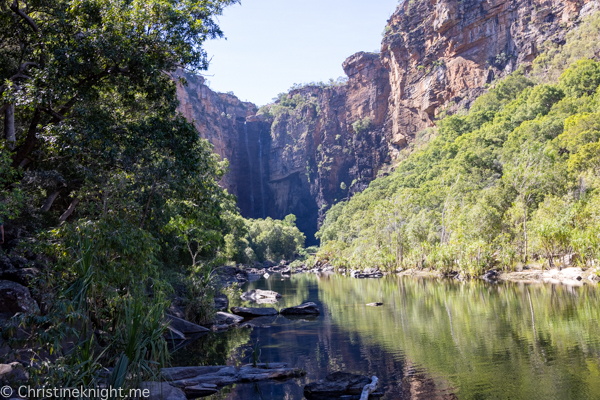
183 326
23 276
261 296
13 373
224 318
251 312
336 385
221 302
200 390
15 298
176 311
308 308
18 261
5 263
254 277
366 274
173 334
490 276
162 391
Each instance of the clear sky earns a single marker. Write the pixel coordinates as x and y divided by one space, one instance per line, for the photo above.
272 44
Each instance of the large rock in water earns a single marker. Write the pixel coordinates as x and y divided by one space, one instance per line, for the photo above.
251 312
191 379
163 391
15 298
221 302
335 386
261 296
308 308
185 327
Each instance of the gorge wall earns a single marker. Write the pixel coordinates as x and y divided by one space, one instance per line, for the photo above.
319 144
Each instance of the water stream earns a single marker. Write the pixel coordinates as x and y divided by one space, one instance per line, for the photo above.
260 162
249 169
432 338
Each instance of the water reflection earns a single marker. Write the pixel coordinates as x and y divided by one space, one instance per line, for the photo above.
430 339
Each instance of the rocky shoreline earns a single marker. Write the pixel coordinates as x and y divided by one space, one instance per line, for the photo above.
530 273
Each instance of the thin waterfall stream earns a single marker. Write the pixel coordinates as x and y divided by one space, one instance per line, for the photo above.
260 163
249 168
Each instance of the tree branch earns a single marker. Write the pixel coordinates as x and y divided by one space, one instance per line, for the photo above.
69 211
50 200
15 8
54 114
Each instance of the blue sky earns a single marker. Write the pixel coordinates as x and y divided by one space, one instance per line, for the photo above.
272 44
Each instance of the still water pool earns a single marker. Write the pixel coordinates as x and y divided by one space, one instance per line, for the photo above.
431 339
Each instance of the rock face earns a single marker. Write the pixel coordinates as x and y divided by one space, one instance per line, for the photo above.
15 298
440 54
320 144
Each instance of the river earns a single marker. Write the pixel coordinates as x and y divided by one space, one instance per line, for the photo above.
432 338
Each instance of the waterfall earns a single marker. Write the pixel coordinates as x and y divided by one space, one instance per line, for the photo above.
260 163
250 171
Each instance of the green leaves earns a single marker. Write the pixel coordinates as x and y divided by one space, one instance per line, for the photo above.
519 145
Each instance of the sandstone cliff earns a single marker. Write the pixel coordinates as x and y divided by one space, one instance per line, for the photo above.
441 54
319 144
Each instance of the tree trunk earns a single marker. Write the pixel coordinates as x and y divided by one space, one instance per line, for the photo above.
30 140
147 205
9 126
525 229
368 389
69 211
50 200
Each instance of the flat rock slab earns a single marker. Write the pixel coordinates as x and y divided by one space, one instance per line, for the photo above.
183 326
224 318
251 312
204 389
308 308
173 334
364 275
261 296
336 385
207 377
163 391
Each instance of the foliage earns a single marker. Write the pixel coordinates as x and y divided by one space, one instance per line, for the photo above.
266 239
510 180
362 125
112 184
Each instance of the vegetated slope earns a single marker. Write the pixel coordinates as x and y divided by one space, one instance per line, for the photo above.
516 177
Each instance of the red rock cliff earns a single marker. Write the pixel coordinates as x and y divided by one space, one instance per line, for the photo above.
320 144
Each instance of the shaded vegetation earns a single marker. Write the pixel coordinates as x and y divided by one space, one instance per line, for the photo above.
265 239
